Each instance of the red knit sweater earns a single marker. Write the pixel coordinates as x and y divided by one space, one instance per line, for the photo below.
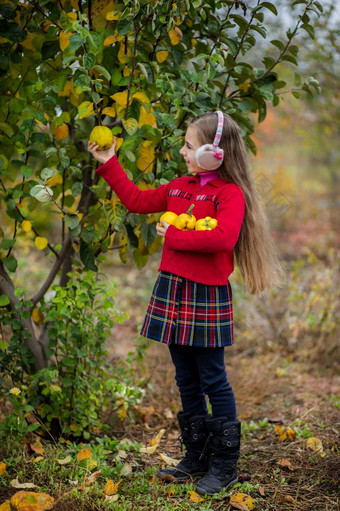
201 256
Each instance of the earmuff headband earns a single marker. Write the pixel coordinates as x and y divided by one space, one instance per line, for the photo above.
210 156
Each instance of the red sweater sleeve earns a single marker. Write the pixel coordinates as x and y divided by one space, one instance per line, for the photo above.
134 199
229 216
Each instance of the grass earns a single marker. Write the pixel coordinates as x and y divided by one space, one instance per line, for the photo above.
311 485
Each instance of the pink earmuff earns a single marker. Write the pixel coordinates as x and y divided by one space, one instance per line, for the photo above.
210 156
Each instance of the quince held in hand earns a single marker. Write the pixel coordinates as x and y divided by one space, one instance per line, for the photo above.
102 136
169 217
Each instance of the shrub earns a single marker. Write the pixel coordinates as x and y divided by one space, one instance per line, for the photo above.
69 396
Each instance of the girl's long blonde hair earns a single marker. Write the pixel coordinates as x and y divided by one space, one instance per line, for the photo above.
255 251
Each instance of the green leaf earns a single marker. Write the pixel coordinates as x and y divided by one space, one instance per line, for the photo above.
87 257
88 234
89 60
123 26
102 71
6 244
4 300
26 170
10 263
278 44
46 173
50 49
309 29
131 126
75 42
12 31
6 10
269 6
72 221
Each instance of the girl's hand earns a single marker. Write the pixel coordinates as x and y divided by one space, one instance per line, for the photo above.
162 227
102 156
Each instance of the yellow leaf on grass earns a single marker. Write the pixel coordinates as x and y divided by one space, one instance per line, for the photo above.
109 110
64 461
242 499
315 444
38 459
195 497
6 506
171 462
26 226
64 40
175 35
15 484
110 487
90 480
145 118
85 453
31 501
2 468
157 438
146 156
40 243
61 132
161 56
37 446
291 434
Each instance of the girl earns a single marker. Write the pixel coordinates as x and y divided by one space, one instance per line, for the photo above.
191 304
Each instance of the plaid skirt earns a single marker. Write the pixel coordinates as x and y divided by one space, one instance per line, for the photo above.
189 313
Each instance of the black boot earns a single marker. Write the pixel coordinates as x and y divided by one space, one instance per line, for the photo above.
195 462
224 448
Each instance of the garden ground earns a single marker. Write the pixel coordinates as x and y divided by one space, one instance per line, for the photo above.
283 401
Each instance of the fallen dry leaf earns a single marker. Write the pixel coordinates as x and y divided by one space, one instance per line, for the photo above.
242 501
262 492
288 498
31 501
2 468
169 461
111 498
64 461
126 470
37 447
110 487
85 453
153 443
121 455
195 497
90 480
5 506
291 434
171 492
15 483
315 444
150 449
285 463
38 459
157 438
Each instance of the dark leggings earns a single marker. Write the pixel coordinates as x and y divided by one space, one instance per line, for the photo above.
201 372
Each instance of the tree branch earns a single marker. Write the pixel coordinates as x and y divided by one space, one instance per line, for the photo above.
54 270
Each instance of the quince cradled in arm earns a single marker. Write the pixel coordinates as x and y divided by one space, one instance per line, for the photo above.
102 136
186 221
206 224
